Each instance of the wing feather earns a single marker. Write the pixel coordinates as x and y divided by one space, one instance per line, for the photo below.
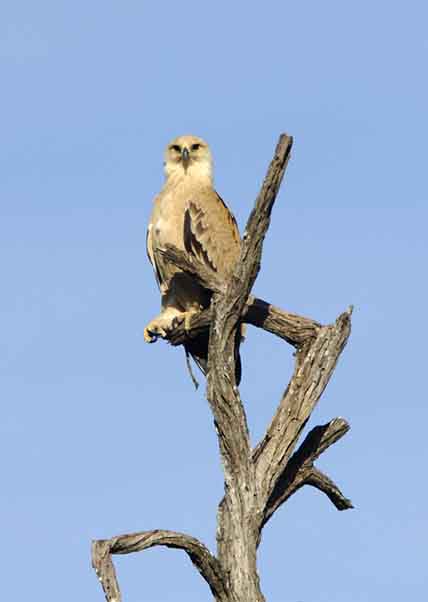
211 232
152 256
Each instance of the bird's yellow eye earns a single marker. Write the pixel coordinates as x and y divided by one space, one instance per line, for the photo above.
195 147
175 148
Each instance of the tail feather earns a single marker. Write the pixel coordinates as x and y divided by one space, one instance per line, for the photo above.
198 349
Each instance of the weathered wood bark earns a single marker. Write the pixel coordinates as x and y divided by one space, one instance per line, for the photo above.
257 481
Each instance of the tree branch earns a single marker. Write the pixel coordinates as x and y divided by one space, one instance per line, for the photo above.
229 414
227 308
294 329
207 565
257 482
318 479
300 471
315 363
257 225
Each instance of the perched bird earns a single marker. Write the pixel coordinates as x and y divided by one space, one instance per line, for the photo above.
190 215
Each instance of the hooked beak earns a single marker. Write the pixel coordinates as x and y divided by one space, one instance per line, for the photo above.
185 158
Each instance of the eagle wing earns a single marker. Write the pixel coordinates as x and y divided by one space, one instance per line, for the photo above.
200 224
151 255
210 232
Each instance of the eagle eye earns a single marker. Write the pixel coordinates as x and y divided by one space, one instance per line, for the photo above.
175 148
195 147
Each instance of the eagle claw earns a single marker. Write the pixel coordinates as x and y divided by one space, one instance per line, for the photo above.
161 326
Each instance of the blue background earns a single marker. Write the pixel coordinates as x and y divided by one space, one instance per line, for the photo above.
101 434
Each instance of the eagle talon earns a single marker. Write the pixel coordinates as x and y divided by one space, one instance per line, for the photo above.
152 332
150 337
162 326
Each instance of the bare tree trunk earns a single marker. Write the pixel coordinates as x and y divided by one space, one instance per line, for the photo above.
257 481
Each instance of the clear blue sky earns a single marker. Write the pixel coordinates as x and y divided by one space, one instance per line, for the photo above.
101 434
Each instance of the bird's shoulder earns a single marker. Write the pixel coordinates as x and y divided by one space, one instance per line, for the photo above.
208 205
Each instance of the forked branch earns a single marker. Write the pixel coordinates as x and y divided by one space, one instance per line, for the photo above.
315 363
237 533
227 307
300 469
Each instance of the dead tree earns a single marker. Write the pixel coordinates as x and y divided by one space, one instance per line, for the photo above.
256 481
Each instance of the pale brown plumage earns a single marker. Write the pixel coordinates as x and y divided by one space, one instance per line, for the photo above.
191 216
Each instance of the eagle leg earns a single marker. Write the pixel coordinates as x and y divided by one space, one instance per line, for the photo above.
163 324
166 322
